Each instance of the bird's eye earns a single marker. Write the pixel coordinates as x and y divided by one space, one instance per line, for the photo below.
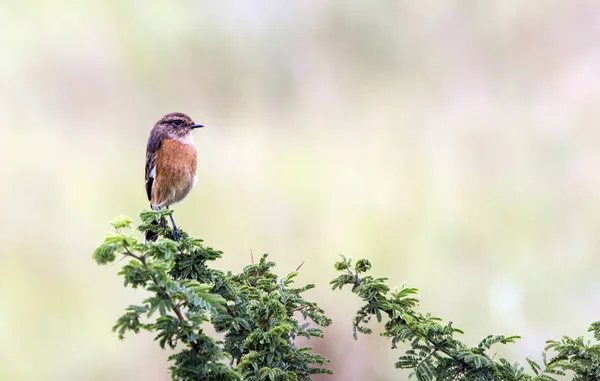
177 122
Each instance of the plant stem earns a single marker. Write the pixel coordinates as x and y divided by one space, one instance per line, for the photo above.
176 308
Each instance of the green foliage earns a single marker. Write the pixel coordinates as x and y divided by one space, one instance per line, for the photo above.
435 352
259 314
260 326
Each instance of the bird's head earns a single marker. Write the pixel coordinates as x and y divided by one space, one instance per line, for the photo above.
177 125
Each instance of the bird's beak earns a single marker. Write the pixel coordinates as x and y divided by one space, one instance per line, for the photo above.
196 125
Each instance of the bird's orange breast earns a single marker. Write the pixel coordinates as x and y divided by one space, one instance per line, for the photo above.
175 172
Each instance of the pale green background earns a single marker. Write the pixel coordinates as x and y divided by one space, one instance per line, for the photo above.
453 143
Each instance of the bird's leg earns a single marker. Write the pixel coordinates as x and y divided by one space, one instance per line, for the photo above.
176 234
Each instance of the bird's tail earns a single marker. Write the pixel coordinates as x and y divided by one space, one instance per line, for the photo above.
152 235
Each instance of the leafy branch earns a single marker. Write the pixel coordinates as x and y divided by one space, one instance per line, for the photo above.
259 316
435 353
255 310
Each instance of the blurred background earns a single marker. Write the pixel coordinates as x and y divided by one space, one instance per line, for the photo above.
454 144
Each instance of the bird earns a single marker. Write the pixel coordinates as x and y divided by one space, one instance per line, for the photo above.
171 161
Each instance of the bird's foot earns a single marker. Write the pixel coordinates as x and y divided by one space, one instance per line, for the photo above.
176 235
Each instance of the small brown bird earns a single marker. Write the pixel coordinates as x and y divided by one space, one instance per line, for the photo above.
170 164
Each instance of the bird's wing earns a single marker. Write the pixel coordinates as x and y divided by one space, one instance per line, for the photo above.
153 145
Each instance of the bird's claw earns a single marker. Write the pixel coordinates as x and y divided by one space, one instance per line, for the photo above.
176 235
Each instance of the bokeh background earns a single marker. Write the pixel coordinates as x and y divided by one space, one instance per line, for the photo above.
455 144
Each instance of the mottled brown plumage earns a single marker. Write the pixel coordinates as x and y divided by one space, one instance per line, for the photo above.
170 162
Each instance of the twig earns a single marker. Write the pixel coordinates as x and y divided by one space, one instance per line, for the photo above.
252 259
176 308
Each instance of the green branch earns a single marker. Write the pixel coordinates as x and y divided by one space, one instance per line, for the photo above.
435 353
255 312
